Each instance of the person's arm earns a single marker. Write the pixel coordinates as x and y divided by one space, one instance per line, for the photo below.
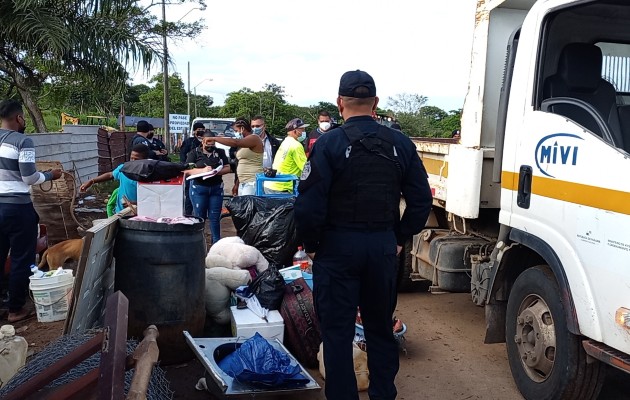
107 176
311 206
183 151
163 151
26 164
250 142
299 157
418 199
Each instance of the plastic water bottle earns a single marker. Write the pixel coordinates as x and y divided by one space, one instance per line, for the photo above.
303 260
36 271
12 353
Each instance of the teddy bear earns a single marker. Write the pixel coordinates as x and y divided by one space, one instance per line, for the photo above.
226 265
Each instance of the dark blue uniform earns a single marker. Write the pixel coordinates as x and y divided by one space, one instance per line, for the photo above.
355 262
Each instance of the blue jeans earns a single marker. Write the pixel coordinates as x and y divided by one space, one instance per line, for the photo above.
207 202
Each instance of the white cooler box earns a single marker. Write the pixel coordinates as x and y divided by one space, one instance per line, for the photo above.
245 324
162 198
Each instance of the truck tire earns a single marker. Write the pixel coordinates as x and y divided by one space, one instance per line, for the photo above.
547 361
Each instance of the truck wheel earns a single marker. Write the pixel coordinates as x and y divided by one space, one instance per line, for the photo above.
547 361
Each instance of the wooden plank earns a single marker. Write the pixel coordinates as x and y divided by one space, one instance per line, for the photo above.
94 278
145 357
111 382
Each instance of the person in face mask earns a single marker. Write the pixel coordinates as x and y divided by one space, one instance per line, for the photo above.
206 195
249 157
270 143
142 132
290 158
324 124
157 145
18 218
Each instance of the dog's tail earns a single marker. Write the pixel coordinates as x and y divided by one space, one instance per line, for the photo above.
43 262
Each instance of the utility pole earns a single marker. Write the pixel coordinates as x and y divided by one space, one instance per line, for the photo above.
167 133
188 87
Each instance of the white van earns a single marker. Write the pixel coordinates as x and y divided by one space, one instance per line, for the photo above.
220 126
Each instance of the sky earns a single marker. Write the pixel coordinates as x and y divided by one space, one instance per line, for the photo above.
420 47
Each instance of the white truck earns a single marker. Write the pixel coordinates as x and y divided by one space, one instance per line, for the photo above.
532 206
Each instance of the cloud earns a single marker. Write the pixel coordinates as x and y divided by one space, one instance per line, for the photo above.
417 47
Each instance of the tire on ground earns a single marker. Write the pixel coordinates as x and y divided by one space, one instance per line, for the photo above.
571 376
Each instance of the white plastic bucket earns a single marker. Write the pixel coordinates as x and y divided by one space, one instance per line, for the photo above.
52 296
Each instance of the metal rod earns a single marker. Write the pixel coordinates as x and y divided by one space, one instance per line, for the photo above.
167 135
111 382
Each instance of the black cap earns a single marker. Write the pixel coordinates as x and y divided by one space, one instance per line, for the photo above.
198 125
151 127
294 124
143 126
353 80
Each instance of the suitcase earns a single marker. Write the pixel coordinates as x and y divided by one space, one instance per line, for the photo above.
301 327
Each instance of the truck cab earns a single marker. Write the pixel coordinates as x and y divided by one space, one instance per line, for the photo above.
532 205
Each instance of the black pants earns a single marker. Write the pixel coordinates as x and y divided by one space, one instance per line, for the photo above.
188 207
18 232
357 269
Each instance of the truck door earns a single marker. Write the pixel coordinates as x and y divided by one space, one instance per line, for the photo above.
566 156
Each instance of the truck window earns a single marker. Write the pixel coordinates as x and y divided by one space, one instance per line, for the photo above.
616 68
585 76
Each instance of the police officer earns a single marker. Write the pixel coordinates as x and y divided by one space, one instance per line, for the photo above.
347 214
156 145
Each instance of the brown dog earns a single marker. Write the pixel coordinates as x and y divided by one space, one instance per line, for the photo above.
58 254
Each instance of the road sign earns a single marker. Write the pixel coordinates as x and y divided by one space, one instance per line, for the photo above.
177 122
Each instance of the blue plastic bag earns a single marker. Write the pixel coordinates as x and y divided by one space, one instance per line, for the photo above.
258 363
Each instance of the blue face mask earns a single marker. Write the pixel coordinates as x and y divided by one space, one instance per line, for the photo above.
257 131
302 137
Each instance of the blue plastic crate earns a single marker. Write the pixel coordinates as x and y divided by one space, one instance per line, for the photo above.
260 185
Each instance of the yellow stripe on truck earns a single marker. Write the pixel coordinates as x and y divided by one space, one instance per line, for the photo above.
577 193
435 167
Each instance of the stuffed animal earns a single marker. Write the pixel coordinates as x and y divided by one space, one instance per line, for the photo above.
219 282
232 253
360 366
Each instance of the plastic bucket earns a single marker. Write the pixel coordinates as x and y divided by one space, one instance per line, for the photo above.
52 296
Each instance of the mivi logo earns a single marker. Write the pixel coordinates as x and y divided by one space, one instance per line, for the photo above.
559 149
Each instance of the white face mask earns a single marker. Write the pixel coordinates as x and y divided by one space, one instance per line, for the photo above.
324 126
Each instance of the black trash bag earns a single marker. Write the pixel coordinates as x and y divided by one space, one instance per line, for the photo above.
266 224
269 288
256 362
152 170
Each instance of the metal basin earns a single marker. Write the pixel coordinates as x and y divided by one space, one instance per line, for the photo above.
211 350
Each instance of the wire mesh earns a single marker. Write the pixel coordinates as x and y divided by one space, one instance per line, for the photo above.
158 385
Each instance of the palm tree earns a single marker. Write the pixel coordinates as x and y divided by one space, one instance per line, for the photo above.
90 42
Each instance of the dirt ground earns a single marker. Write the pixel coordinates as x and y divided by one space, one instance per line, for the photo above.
445 355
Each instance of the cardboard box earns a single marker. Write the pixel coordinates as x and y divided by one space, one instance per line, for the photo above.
245 324
162 198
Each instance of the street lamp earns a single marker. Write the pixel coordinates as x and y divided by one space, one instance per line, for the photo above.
195 89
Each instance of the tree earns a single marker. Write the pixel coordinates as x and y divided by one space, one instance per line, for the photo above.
88 43
152 102
406 103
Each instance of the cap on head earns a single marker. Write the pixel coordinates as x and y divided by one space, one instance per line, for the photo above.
198 125
294 124
151 127
143 126
352 81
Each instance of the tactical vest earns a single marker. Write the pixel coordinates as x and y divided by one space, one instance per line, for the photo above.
366 194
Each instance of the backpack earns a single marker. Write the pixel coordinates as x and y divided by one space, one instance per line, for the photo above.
152 170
